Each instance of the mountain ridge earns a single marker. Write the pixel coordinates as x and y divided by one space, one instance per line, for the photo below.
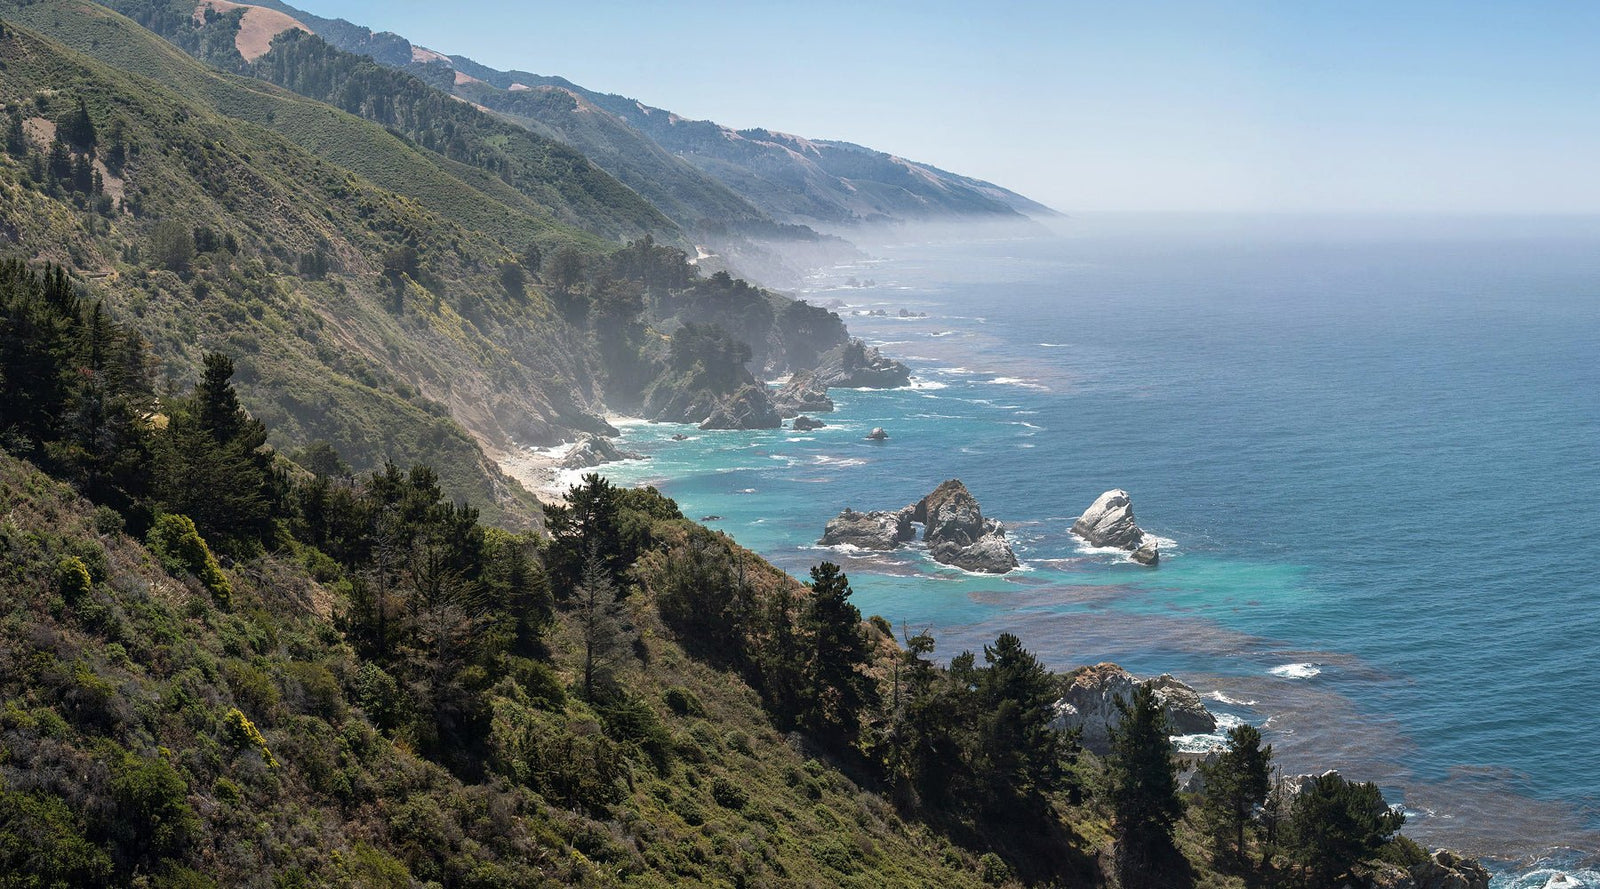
879 191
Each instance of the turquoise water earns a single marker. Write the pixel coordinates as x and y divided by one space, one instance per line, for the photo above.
1373 447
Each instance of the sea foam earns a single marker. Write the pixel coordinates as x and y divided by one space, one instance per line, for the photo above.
1296 671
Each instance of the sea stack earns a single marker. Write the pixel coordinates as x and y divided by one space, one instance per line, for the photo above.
957 533
953 527
877 434
1109 522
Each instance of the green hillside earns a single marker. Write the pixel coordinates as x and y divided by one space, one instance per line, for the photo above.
360 316
225 669
543 183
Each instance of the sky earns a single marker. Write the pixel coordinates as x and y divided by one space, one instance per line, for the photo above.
1429 106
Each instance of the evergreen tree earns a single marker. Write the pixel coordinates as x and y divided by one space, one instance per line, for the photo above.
588 521
600 623
216 468
1144 796
1336 824
1236 783
16 139
59 163
77 129
1022 754
836 690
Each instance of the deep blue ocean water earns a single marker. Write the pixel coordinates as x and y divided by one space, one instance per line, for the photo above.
1373 447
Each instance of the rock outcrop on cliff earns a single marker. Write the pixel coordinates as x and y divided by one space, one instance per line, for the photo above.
802 394
856 365
748 408
953 527
881 530
1090 704
592 450
1109 522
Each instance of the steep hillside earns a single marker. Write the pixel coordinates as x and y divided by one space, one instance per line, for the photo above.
360 316
455 159
152 732
785 177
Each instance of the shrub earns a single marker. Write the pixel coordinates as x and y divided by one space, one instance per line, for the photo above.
683 702
992 869
107 520
152 817
378 695
728 794
238 730
41 845
177 545
72 578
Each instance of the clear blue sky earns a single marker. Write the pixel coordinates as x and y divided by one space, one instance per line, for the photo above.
1276 105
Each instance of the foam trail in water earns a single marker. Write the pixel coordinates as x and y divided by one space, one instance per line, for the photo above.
1296 671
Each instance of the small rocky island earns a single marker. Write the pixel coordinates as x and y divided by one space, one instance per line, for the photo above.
953 527
1109 522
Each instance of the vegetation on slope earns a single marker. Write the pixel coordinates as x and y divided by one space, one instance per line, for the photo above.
330 680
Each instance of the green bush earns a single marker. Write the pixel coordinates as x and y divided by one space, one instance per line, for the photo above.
107 520
41 844
175 542
152 818
238 730
72 578
993 869
728 794
683 702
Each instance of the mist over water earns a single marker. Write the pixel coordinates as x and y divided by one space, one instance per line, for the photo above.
1373 444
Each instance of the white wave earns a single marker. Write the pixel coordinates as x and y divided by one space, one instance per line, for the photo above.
800 438
824 460
1296 671
1201 742
939 333
1550 878
1054 345
747 490
1019 383
919 383
1221 698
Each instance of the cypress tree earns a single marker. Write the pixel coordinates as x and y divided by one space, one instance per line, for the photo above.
1235 784
16 139
836 690
1022 752
1144 796
77 128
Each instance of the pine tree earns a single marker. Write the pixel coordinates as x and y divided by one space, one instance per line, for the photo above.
16 139
1336 824
215 467
59 163
836 689
600 623
1023 754
77 128
1236 783
1144 796
588 521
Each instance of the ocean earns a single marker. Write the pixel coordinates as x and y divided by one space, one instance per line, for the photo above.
1372 447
